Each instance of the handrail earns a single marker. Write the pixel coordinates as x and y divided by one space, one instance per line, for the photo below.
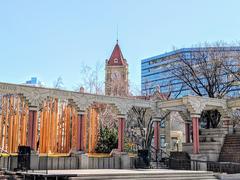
229 167
201 161
194 164
160 149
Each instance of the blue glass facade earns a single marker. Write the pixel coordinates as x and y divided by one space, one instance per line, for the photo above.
155 71
32 81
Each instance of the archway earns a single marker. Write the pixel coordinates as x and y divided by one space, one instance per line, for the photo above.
101 120
13 122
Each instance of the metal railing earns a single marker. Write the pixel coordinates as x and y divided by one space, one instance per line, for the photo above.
160 156
196 165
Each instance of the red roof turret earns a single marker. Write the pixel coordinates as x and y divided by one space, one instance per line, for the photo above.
116 58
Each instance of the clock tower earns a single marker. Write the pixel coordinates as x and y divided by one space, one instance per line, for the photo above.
116 74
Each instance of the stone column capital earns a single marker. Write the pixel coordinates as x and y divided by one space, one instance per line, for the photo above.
188 121
33 108
81 112
157 117
195 115
121 116
195 105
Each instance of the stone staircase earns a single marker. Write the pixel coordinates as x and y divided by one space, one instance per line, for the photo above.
149 175
4 176
230 151
158 165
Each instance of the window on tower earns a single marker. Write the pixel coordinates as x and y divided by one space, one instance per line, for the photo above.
116 60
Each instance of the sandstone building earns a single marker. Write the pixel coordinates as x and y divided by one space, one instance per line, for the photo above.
116 74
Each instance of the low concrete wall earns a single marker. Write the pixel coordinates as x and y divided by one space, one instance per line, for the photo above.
114 162
211 149
56 163
82 161
9 162
199 165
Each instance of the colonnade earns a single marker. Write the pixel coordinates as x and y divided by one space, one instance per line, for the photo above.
59 127
29 116
55 127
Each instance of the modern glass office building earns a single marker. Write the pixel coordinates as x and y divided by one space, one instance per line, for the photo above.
155 72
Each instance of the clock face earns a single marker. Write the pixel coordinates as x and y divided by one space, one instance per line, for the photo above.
115 75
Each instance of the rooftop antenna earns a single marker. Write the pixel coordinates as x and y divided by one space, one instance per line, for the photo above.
117 33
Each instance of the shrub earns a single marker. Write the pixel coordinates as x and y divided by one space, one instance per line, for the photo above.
107 140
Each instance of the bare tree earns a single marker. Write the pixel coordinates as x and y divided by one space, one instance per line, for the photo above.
91 79
140 119
205 71
58 83
233 67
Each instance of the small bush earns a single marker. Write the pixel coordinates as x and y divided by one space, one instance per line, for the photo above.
107 140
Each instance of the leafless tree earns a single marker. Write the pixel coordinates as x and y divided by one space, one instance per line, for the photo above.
140 126
140 120
233 67
205 71
58 84
91 79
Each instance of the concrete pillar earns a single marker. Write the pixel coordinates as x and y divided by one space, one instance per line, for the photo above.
121 126
187 132
157 136
80 131
32 128
195 124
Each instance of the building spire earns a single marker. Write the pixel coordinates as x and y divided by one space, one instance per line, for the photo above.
116 57
117 33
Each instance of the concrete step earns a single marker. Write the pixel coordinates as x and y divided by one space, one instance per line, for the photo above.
231 144
230 151
233 135
233 160
158 165
149 178
228 176
230 140
162 176
5 177
219 131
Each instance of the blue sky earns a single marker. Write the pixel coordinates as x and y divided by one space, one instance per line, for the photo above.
54 38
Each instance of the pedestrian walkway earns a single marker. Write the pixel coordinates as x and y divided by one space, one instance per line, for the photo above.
161 174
